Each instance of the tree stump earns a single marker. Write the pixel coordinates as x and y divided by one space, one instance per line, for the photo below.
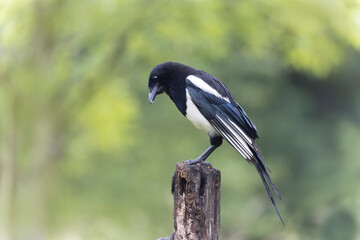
196 192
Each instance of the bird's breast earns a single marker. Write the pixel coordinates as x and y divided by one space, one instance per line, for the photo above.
195 116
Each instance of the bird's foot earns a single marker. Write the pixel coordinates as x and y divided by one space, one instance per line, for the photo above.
195 161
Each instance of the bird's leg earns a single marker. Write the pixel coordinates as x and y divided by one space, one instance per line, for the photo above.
215 142
203 157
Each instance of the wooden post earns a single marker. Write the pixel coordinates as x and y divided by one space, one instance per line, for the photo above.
196 191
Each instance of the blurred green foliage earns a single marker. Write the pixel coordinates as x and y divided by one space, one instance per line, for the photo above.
83 155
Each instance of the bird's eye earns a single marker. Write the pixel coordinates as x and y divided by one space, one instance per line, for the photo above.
155 77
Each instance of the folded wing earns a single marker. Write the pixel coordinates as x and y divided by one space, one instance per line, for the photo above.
232 123
226 119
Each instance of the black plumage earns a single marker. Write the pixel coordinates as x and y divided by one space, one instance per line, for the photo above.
210 106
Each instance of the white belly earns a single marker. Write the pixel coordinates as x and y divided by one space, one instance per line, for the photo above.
194 115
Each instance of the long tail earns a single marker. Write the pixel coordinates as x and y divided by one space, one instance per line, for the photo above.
261 168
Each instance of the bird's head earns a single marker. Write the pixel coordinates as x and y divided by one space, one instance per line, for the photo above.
158 81
167 77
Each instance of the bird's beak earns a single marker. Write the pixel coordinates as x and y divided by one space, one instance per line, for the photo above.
152 93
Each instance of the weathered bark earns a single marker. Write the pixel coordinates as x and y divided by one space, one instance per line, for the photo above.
196 191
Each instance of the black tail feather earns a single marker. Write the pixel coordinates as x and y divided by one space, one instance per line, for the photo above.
271 184
258 154
261 160
266 175
266 180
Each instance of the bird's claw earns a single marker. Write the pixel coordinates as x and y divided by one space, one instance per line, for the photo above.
195 161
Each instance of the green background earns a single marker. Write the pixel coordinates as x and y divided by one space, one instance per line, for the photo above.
84 156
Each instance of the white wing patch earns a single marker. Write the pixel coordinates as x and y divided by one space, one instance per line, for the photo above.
236 140
205 87
241 132
195 116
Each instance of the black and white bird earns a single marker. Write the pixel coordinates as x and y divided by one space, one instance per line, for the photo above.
209 105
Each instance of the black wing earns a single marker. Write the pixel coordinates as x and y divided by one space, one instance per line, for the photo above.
228 120
247 126
232 123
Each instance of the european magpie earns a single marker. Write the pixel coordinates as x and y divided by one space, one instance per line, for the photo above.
209 105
